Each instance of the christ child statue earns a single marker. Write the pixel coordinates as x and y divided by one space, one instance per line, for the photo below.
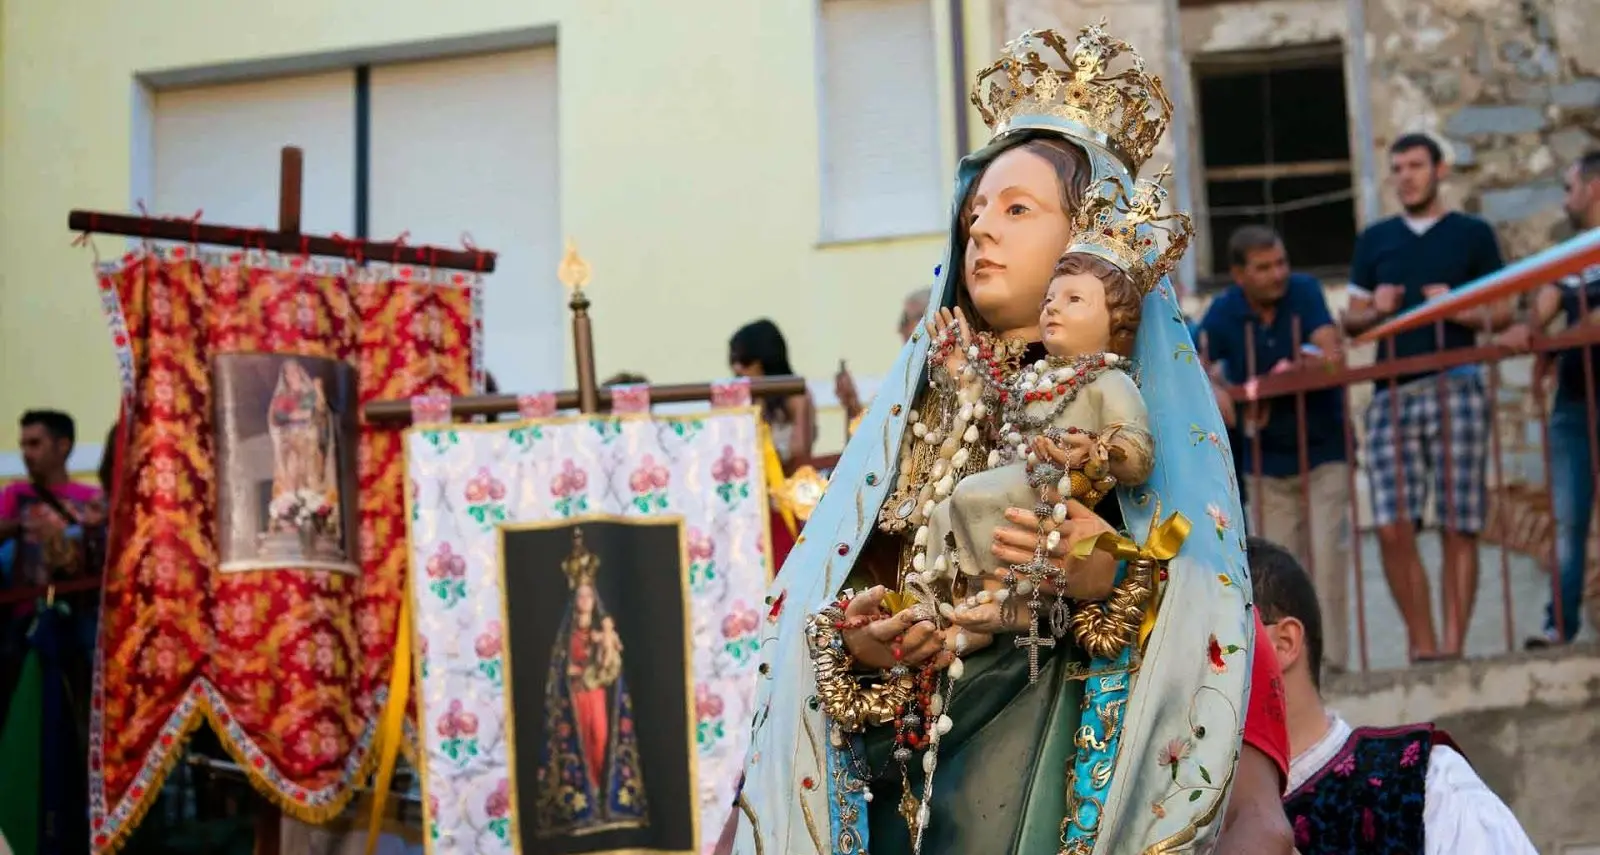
1074 424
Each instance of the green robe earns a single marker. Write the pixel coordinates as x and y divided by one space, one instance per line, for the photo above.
1000 786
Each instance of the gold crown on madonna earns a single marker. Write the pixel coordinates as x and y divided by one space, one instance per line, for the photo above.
1112 109
1125 230
582 565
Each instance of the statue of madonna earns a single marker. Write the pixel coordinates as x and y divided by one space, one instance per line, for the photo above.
888 721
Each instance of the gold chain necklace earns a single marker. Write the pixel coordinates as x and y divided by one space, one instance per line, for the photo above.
936 410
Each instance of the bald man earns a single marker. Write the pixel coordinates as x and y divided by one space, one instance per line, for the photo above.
844 386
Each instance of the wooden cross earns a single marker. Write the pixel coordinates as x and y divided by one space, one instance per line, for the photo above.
287 239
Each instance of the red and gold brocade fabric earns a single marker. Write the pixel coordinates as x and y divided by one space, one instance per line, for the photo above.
289 666
420 334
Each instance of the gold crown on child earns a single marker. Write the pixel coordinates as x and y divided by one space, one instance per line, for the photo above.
1123 230
1112 110
582 565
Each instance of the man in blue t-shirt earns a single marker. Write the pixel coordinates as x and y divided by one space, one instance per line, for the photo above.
1572 429
1429 432
1268 321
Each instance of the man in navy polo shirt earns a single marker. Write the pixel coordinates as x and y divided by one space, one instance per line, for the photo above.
1426 432
1283 317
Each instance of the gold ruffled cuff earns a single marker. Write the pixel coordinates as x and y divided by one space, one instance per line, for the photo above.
840 692
1104 630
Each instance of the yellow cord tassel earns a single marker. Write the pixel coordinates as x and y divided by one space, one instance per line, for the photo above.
775 480
392 731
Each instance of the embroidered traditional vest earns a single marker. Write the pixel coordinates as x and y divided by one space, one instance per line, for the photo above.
1369 798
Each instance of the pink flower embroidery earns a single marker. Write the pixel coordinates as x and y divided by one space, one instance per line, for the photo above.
1411 755
649 476
1345 766
1219 520
569 480
1302 831
499 802
1173 752
485 487
457 722
707 706
741 619
701 546
729 467
489 643
445 564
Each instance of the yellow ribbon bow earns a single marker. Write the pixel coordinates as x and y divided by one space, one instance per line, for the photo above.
1162 545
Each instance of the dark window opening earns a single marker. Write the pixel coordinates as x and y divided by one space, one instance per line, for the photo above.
1275 144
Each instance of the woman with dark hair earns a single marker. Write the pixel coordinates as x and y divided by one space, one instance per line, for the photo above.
758 350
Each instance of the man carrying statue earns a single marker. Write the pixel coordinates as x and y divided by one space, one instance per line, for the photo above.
908 701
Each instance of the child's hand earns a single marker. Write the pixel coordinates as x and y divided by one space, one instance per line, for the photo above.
952 323
1067 450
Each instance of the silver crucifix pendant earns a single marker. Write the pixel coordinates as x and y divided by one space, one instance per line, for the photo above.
1033 641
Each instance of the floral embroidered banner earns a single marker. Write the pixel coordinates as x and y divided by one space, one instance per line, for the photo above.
470 481
288 665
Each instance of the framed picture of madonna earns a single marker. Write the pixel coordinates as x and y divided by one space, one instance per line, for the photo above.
598 679
286 455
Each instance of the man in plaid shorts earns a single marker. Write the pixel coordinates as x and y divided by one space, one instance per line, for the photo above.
1426 433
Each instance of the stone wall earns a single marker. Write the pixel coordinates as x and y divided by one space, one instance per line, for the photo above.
1526 722
1513 86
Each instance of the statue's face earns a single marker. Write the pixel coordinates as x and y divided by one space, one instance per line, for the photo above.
1076 320
585 599
1016 231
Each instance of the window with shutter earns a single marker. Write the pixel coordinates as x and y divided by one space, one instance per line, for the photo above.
216 149
469 145
1276 147
882 170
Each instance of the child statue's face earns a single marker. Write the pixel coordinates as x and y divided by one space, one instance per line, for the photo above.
1075 320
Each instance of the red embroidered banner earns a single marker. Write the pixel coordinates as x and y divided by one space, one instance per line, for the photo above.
265 601
421 334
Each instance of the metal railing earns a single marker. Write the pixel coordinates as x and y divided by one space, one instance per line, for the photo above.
1297 384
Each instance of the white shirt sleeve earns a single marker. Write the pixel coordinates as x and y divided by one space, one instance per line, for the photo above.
1462 816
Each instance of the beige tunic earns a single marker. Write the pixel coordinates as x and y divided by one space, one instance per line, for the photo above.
976 508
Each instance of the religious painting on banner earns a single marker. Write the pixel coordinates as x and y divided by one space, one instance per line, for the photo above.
286 443
618 566
599 662
289 667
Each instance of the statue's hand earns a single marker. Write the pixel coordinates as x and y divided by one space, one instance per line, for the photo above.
1090 578
983 618
965 641
1068 450
946 322
874 645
